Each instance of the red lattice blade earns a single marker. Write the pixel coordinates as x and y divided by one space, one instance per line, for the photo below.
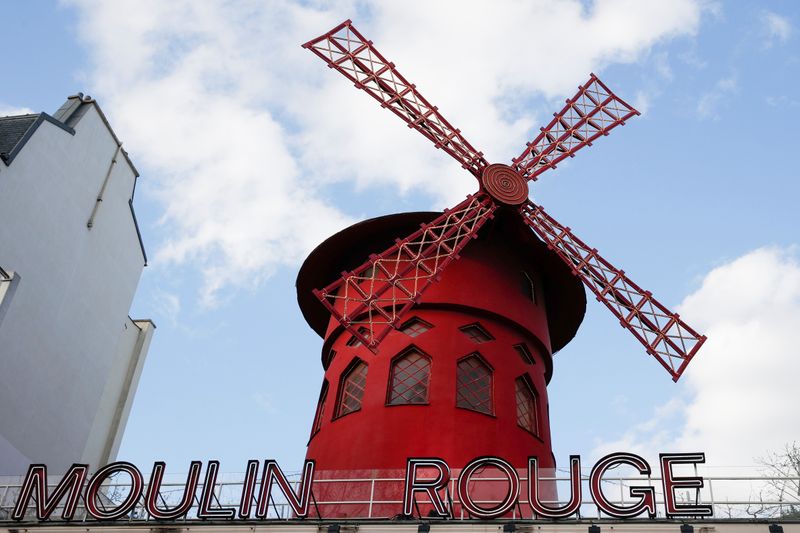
592 112
346 50
372 299
664 335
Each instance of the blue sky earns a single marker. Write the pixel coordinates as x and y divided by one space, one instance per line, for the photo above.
251 152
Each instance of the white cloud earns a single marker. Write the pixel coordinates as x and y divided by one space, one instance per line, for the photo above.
242 129
781 101
263 402
693 59
776 28
709 104
167 305
739 397
642 101
662 66
9 110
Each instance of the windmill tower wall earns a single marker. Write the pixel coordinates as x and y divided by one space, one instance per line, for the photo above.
465 376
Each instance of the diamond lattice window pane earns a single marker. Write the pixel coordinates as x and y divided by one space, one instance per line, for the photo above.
415 327
323 396
474 385
410 381
476 333
526 407
353 389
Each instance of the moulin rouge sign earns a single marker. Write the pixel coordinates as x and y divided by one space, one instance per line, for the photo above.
426 481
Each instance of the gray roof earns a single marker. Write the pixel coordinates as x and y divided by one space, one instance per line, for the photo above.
12 130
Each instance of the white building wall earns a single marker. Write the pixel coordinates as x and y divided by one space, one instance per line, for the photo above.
67 345
118 394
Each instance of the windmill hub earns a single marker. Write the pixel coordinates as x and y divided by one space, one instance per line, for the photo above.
504 184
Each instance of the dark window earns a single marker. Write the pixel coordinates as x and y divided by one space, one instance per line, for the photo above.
524 353
410 380
474 385
415 327
476 333
528 287
355 341
331 355
369 272
351 389
323 395
527 407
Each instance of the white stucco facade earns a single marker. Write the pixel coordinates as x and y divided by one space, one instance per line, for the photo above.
70 356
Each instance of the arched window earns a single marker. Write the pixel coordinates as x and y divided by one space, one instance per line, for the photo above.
527 406
351 388
474 385
410 379
323 396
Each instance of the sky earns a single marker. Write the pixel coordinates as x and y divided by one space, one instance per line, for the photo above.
251 152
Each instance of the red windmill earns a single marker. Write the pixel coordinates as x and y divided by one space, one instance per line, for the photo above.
459 368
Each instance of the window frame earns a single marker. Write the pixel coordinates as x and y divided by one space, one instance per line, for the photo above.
410 321
476 325
492 395
318 415
369 272
355 363
525 353
331 357
526 382
390 384
355 342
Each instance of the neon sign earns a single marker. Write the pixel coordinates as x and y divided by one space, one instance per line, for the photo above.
420 487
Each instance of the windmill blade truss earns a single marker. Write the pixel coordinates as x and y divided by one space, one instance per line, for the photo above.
665 336
372 299
593 112
344 49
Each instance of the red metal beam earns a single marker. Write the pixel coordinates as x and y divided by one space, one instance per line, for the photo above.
663 334
593 112
378 293
344 49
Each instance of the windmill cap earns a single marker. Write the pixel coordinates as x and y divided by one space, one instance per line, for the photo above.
349 248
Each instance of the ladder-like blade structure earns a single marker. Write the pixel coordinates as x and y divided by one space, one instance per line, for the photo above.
372 299
592 112
665 336
346 50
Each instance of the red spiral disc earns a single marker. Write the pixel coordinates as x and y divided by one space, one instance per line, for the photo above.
504 184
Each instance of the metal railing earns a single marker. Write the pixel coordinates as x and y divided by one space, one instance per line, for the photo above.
731 497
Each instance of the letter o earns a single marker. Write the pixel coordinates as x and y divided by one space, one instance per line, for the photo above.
511 496
137 484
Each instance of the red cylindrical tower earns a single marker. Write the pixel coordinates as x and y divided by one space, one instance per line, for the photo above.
464 376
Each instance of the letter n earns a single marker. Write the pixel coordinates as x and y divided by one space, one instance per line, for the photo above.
299 501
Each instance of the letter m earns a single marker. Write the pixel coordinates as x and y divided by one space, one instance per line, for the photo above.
35 485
